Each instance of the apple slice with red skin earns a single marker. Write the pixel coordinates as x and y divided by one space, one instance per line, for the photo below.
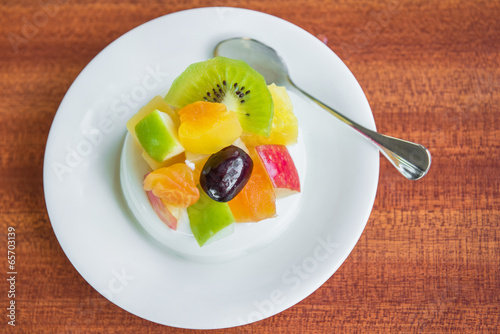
162 211
281 169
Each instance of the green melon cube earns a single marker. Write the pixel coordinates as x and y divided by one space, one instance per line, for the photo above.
210 220
156 134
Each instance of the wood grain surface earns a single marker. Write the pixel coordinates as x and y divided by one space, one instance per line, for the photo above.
429 258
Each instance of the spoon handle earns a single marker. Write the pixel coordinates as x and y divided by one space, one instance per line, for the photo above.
410 159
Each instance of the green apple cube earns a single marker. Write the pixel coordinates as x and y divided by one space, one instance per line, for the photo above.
210 220
158 137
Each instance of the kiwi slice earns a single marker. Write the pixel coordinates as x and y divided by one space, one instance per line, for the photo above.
229 81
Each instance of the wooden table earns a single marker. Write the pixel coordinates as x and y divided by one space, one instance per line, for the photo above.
429 258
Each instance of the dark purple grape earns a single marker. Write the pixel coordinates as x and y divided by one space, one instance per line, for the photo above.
225 173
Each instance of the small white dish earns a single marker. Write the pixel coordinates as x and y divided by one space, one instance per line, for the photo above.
98 231
247 237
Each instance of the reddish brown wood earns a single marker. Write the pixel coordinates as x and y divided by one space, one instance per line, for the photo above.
429 258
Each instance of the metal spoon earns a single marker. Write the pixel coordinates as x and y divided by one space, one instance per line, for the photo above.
410 159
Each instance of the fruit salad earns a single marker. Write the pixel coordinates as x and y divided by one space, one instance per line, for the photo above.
217 148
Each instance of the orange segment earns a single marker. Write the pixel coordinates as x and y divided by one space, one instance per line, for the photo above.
207 127
174 185
256 201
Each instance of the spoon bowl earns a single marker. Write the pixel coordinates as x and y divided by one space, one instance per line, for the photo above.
410 159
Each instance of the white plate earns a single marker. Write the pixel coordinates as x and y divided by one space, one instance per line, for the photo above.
100 235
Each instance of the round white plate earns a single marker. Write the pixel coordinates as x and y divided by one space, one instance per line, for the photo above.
105 243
